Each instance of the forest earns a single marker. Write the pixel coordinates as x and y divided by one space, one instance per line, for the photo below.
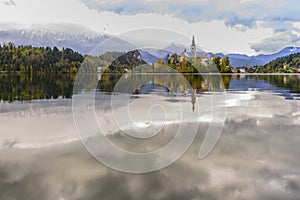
287 64
36 60
51 60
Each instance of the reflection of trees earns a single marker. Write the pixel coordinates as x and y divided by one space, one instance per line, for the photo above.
226 81
129 82
176 82
28 87
291 82
215 82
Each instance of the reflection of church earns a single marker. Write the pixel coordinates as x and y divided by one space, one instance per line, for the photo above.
193 55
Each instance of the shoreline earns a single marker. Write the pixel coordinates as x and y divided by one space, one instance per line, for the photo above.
184 73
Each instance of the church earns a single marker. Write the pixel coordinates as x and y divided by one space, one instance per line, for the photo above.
193 54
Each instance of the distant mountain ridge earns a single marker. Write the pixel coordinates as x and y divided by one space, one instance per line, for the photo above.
85 43
238 60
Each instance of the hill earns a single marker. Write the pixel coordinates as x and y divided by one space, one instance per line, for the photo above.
288 64
117 61
126 62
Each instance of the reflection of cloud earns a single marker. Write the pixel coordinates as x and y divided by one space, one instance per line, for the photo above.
249 162
9 2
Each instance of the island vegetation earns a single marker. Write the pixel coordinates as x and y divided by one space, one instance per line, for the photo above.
188 65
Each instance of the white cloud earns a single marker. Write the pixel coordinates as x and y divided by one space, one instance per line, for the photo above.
9 2
219 26
277 42
233 12
243 15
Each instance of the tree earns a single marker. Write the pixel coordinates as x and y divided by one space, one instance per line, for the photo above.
225 65
217 61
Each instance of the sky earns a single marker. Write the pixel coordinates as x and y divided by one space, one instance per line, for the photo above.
228 26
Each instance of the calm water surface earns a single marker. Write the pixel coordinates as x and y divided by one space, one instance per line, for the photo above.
256 157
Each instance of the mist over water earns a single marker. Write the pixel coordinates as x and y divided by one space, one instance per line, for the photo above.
256 157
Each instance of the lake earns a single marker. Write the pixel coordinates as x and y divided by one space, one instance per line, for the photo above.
44 155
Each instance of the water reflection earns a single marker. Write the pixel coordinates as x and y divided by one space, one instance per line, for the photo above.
193 98
255 158
50 86
26 87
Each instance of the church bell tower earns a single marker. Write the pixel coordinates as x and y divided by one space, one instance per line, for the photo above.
193 49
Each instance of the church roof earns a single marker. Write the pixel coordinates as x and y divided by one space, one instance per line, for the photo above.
203 56
184 54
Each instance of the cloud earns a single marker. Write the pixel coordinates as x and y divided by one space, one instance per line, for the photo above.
240 14
231 172
277 42
9 2
285 33
62 28
233 12
249 161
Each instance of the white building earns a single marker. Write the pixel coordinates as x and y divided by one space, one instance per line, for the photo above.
183 56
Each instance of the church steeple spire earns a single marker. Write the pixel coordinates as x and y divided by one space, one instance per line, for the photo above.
193 48
193 42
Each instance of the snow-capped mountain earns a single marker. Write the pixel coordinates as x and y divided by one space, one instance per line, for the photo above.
83 43
87 43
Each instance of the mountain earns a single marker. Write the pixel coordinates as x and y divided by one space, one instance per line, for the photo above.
87 43
238 60
159 53
83 43
148 57
285 52
175 48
